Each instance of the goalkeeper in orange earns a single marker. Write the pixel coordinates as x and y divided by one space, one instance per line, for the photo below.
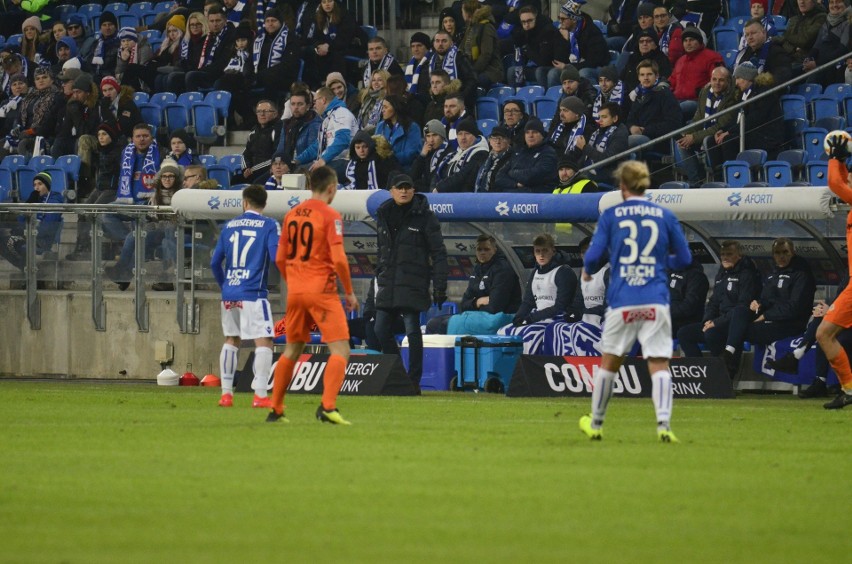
311 259
839 316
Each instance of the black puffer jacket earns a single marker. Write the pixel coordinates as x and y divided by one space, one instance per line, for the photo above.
788 293
498 281
737 286
410 257
688 292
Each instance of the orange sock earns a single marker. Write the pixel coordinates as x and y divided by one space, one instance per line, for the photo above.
335 373
283 376
840 364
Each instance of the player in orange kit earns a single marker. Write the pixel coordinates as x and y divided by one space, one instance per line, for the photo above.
839 316
311 259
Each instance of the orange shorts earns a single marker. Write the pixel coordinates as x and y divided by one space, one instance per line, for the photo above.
840 312
303 310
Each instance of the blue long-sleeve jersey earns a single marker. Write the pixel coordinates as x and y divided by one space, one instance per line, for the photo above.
247 246
641 240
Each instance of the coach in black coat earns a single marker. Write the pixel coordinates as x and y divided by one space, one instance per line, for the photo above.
787 298
497 281
687 292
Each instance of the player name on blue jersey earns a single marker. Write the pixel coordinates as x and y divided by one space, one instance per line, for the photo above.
638 209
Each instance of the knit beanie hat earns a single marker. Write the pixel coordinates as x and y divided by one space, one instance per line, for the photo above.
109 129
334 77
31 21
83 82
435 127
112 81
421 38
468 125
609 72
534 124
178 21
128 33
109 17
646 9
44 177
574 104
570 72
746 71
180 134
571 9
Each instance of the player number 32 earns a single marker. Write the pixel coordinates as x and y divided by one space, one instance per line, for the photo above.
633 245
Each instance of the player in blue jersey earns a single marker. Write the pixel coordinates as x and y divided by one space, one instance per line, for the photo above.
637 238
244 254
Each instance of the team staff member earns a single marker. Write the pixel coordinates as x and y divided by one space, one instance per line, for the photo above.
247 246
311 259
839 316
636 237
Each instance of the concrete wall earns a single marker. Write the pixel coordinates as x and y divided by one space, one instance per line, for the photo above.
68 344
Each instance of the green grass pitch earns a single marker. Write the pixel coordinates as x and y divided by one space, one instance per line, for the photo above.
135 473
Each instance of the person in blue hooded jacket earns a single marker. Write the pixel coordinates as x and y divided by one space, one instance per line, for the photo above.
13 243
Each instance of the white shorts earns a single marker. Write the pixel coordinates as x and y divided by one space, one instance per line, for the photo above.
247 320
651 324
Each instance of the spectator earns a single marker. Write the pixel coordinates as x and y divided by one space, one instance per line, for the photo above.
300 129
802 30
608 140
168 56
420 53
501 145
181 152
759 12
535 42
195 176
764 53
452 25
238 77
13 245
445 55
9 109
692 71
572 182
454 113
379 58
13 63
786 8
133 54
531 168
305 16
411 257
235 11
119 100
32 46
479 43
336 131
493 286
402 133
370 101
64 50
687 293
262 142
275 55
440 86
110 147
370 161
622 17
651 112
832 41
105 54
727 314
565 133
337 84
216 51
431 163
712 99
397 87
611 89
40 111
648 50
140 162
332 36
587 49
514 119
159 233
669 32
548 296
276 173
702 14
644 22
464 165
575 85
76 28
764 125
191 48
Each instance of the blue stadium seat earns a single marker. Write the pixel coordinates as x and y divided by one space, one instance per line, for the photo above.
163 98
14 41
674 185
601 26
486 125
501 93
812 141
176 116
529 93
726 38
830 122
71 165
796 158
90 9
809 90
544 107
818 173
737 173
39 163
63 11
221 100
554 93
148 18
204 122
150 34
847 107
13 162
220 174
58 179
7 185
139 8
447 308
793 129
207 160
730 57
164 6
128 20
778 173
187 98
487 108
755 159
152 114
116 8
780 23
24 181
156 44
738 22
838 91
546 123
370 31
141 98
794 106
824 106
739 8
234 164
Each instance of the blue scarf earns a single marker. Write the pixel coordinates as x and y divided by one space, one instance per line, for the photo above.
576 131
384 64
372 177
300 13
412 72
101 49
642 91
712 105
208 51
448 64
615 95
491 162
150 165
260 11
666 38
600 138
272 184
276 50
575 45
439 159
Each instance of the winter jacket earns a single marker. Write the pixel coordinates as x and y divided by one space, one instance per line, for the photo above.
537 45
336 131
585 92
801 33
591 43
778 61
692 72
496 280
297 134
435 103
380 154
688 292
617 143
463 166
565 303
534 168
406 143
125 111
487 175
411 258
109 165
700 132
629 75
144 54
260 146
424 176
788 294
481 46
622 16
831 41
763 128
654 111
738 286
